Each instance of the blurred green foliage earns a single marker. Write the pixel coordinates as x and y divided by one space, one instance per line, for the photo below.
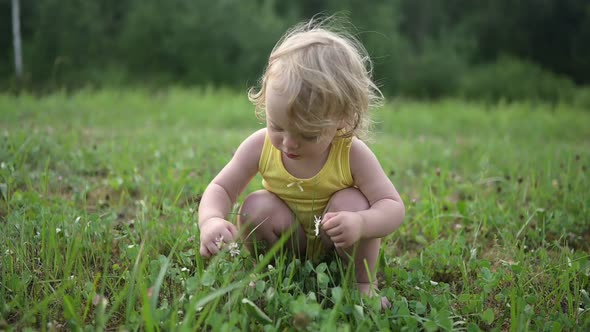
513 79
528 49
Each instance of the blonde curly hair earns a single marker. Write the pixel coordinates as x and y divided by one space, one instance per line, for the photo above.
327 75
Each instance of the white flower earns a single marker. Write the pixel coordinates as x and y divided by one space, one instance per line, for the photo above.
99 299
234 249
184 269
317 222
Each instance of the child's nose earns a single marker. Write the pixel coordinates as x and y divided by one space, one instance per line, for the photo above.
290 142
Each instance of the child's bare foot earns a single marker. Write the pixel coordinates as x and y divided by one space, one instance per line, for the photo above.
366 289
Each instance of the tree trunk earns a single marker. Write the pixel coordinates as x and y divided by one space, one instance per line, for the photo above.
18 59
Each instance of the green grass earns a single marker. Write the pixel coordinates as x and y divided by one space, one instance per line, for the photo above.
98 219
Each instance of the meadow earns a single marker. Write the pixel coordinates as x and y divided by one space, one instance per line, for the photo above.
99 192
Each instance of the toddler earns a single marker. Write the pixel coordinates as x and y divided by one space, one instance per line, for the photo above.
321 181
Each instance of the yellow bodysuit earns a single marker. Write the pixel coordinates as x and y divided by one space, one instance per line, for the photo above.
307 198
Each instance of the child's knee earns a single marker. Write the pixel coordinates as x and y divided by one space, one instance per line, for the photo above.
263 207
253 206
349 199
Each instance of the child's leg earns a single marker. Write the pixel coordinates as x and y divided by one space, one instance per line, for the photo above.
351 199
270 218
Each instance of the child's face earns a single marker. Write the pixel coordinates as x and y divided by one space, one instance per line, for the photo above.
286 137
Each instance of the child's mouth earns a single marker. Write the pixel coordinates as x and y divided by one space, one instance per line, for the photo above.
291 155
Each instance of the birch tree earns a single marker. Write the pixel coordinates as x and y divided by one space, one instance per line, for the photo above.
18 59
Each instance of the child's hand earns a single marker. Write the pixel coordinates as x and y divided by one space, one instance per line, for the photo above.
214 233
344 228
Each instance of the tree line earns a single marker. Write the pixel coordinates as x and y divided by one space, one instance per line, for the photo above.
490 49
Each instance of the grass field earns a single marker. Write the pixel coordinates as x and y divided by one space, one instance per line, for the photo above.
99 192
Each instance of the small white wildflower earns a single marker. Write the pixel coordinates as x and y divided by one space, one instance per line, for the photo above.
433 283
77 220
184 269
72 277
8 252
317 222
219 241
508 262
3 165
131 246
234 249
57 230
99 299
270 267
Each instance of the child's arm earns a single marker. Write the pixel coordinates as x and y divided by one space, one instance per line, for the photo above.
223 191
386 212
